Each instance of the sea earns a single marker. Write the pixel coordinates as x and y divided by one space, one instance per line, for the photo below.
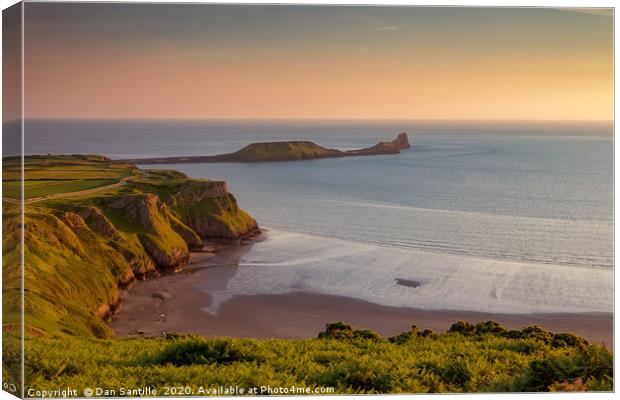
509 217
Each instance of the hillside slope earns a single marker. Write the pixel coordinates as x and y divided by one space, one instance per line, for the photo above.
79 251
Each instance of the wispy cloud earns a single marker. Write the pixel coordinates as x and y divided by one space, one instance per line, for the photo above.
388 28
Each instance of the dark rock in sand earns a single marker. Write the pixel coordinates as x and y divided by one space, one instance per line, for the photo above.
408 283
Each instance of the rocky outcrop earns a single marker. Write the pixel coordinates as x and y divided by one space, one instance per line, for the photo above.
402 141
220 218
394 147
283 151
139 262
143 210
151 218
165 258
100 223
194 242
198 191
213 217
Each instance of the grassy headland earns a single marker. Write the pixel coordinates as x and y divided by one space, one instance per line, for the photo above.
82 247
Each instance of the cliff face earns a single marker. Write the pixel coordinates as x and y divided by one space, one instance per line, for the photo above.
402 141
394 147
80 253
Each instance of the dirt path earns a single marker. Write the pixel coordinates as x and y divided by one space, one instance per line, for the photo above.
70 194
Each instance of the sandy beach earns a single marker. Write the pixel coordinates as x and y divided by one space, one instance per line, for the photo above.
173 303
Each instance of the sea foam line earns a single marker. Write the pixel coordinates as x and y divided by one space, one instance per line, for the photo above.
292 262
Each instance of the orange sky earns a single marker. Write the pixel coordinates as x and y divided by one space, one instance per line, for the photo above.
200 61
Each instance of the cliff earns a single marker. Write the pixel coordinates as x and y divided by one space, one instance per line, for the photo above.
80 251
284 151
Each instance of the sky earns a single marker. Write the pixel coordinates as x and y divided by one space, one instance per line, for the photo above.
317 62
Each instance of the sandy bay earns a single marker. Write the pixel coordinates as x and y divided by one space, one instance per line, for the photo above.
179 304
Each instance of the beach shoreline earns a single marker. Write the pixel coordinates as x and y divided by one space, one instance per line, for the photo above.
179 303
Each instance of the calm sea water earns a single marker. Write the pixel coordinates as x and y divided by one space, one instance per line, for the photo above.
490 217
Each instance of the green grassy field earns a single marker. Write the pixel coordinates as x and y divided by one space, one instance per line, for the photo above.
42 188
484 360
47 176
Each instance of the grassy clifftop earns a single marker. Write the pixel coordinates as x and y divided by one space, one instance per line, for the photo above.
81 247
275 151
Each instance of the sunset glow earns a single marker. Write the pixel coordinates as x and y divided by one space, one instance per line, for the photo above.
190 61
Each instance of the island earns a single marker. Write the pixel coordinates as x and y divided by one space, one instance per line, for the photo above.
282 151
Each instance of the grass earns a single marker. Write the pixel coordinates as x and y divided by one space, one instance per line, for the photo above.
46 175
42 188
446 362
280 150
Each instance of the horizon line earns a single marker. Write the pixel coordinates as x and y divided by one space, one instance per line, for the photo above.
249 119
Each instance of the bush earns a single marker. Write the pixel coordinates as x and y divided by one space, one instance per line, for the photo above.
360 376
413 333
456 372
513 334
463 327
536 332
337 330
594 364
366 334
489 327
568 340
340 330
200 351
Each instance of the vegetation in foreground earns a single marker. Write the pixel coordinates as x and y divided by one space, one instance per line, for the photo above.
467 358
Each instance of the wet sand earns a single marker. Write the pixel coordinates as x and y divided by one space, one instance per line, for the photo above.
173 303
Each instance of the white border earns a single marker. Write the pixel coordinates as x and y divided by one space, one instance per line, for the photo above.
464 3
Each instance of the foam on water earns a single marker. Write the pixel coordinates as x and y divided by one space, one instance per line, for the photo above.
292 262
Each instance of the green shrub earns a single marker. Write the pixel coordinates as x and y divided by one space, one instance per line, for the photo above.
200 351
456 372
341 330
489 327
337 330
409 335
536 332
359 376
366 334
568 340
593 364
463 327
513 334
